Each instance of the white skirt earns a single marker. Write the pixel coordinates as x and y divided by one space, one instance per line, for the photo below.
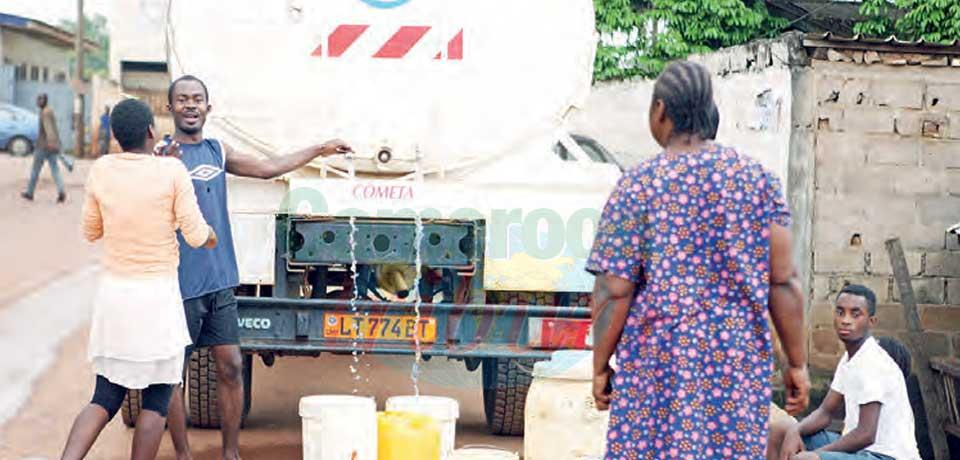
139 330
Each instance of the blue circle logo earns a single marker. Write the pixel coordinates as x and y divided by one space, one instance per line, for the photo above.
385 4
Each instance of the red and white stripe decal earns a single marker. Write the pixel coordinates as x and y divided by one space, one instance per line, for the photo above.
398 46
402 42
455 47
343 37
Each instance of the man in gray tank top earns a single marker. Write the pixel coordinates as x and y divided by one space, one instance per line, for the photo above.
208 277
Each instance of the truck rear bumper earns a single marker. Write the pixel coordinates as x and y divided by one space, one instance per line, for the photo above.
296 327
314 347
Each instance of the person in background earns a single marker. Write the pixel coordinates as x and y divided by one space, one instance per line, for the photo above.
136 202
781 423
692 256
47 150
103 134
868 387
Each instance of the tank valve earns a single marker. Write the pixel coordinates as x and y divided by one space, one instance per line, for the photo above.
384 155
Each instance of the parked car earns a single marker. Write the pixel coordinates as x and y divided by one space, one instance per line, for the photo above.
594 150
18 129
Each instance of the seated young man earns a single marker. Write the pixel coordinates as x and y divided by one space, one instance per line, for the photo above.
868 387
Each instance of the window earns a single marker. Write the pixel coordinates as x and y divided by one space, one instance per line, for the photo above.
34 73
46 74
21 72
592 152
61 77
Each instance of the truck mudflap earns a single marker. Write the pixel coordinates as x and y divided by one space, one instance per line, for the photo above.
311 326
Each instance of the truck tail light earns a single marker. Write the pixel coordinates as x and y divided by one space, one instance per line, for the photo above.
550 333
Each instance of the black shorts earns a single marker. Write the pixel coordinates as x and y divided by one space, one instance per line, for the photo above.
109 396
212 320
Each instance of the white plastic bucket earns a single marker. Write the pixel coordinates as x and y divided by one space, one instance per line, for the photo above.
446 411
339 427
483 453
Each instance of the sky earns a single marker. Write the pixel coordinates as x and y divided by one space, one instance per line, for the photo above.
51 11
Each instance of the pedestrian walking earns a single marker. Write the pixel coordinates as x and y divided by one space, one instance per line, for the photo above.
692 256
136 202
47 150
103 134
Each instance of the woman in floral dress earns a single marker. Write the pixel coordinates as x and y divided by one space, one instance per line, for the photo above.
691 253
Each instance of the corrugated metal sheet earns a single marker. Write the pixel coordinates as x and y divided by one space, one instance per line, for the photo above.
42 30
817 16
891 44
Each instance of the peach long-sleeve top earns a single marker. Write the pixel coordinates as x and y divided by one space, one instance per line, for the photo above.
136 202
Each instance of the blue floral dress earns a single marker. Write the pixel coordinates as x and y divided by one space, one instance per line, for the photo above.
692 231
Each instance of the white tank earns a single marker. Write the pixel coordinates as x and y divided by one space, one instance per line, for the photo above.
561 420
459 81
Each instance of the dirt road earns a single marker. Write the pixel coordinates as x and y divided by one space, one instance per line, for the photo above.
45 294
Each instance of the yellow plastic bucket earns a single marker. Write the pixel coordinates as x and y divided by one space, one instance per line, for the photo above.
407 436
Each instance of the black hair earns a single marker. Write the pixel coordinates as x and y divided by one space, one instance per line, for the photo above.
714 123
206 92
898 352
129 121
686 90
861 291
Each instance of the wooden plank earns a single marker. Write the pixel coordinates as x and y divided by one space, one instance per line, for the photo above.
901 274
932 393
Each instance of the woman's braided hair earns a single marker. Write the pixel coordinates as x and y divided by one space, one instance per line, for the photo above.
686 90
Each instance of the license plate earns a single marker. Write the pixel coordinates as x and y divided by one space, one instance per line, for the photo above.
379 327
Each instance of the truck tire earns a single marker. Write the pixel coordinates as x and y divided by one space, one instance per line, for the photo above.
131 407
203 397
130 410
505 385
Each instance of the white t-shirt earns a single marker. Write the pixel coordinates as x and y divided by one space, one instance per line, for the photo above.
873 376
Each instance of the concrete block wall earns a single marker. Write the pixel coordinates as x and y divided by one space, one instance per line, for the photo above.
887 163
752 86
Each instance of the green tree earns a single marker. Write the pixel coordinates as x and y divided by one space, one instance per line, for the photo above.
878 18
932 20
95 63
619 23
659 31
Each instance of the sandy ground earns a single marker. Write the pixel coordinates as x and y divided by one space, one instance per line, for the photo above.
42 239
45 291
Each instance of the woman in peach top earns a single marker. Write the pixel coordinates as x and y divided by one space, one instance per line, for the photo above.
136 202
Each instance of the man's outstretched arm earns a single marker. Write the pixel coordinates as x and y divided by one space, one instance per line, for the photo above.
247 165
